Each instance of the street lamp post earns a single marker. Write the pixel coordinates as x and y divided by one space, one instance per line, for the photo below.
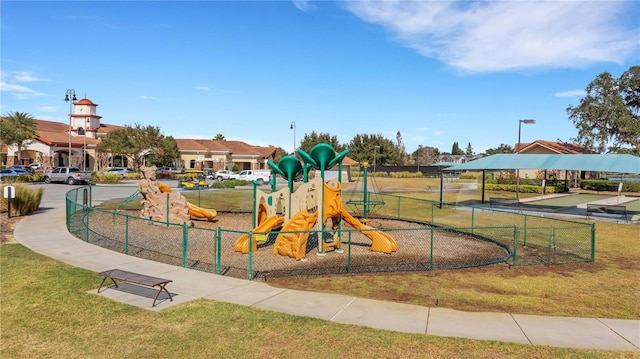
418 157
70 97
293 127
375 152
520 122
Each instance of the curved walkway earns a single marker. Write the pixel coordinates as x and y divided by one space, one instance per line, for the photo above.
45 232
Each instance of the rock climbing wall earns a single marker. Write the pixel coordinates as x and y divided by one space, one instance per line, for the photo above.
154 201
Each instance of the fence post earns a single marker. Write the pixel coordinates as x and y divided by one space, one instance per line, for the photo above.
185 235
349 252
473 219
250 257
515 245
593 242
167 218
85 207
431 244
524 239
217 249
552 248
433 205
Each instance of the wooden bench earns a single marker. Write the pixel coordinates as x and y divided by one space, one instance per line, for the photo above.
135 278
607 210
505 203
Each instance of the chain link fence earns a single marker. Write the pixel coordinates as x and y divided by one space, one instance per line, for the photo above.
430 236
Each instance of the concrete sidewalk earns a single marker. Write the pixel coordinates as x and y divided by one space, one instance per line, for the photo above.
45 232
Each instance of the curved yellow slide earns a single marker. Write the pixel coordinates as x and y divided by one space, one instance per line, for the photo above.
194 211
294 244
380 241
242 243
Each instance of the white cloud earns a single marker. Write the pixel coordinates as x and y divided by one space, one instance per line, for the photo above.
25 76
10 84
148 97
571 93
492 36
19 91
303 5
201 88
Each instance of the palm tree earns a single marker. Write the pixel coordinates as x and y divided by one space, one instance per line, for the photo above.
18 129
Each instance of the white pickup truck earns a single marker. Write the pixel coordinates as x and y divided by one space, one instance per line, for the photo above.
260 176
69 175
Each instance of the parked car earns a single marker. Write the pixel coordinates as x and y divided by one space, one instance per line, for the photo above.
69 175
168 170
9 172
260 176
21 167
122 171
224 175
35 166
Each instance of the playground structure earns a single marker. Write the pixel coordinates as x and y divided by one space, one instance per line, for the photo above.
295 213
160 203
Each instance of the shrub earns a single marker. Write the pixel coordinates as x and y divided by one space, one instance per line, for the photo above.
108 178
22 178
524 188
609 186
229 184
25 201
471 175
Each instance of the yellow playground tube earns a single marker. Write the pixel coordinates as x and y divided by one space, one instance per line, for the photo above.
194 211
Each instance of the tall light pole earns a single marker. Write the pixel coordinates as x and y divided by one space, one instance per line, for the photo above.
375 152
293 127
520 122
418 159
70 100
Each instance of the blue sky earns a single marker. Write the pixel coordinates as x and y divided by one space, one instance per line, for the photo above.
436 71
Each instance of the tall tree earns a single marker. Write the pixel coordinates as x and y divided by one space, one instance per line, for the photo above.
455 149
426 155
469 151
608 114
18 129
402 151
373 149
136 142
312 139
219 137
503 148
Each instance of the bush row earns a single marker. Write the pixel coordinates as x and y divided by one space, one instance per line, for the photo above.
524 188
610 186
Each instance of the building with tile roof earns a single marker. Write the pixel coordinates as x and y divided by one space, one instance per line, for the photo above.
63 144
543 147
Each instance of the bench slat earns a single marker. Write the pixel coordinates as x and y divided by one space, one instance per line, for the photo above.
134 277
137 278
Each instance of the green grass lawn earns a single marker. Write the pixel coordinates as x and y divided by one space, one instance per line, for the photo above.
46 312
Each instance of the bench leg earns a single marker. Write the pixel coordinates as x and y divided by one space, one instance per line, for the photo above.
162 287
105 278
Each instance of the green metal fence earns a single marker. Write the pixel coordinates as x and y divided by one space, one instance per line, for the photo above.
430 236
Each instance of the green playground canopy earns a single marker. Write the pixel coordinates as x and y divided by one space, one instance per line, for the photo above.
615 163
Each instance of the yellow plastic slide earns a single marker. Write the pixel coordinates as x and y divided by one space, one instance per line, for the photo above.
194 211
242 243
294 244
380 241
